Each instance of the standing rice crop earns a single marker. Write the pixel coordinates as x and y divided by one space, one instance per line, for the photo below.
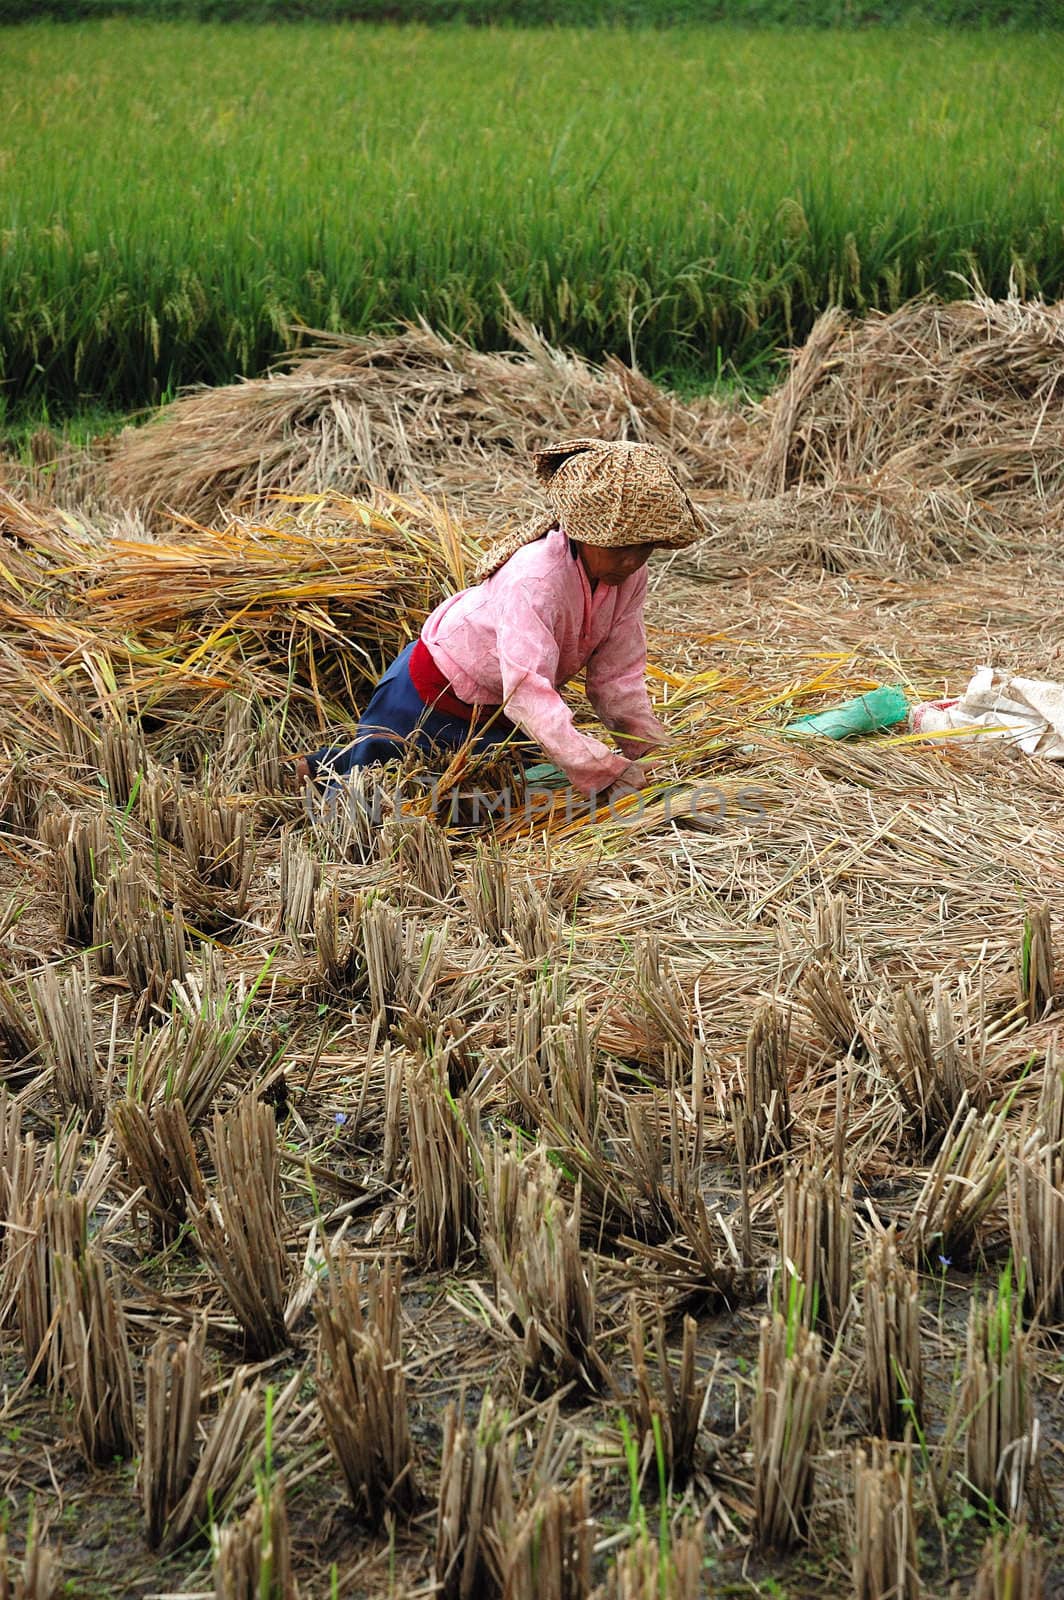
717 217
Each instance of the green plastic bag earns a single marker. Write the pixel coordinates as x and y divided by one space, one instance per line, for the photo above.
546 776
867 713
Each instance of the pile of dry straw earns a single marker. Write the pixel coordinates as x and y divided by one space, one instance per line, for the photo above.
225 535
934 431
753 1041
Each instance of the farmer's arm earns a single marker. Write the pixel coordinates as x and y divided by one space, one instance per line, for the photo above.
528 661
615 677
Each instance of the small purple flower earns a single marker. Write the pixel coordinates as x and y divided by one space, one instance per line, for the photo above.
341 1118
945 1261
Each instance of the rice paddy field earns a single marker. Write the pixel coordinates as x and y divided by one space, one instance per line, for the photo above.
439 1200
642 1204
177 198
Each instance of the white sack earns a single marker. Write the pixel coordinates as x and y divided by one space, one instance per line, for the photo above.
1027 713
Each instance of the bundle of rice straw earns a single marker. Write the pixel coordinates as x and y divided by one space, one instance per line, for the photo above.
967 395
413 412
325 572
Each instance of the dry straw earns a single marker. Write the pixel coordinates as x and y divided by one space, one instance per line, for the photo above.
63 1006
241 1228
345 827
231 1451
668 1020
790 1401
929 1068
96 1362
157 1144
827 999
1035 969
78 857
647 1570
665 1145
963 1190
173 1388
339 962
192 1055
122 757
995 1407
1013 1567
39 1215
815 1223
253 1556
370 411
885 1564
144 941
564 1104
19 1039
475 1507
829 928
445 1162
944 393
508 910
893 1361
12 1151
550 1555
667 1425
217 846
544 1281
419 850
50 1225
362 1386
300 880
1036 1197
764 1120
403 964
37 1576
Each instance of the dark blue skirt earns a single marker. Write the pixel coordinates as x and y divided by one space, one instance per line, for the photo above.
397 720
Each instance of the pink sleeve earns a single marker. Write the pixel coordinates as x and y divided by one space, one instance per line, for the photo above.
616 678
528 660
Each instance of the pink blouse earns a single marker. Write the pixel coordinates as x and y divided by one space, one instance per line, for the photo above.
520 636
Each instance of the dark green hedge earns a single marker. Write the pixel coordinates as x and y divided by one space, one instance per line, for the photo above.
580 13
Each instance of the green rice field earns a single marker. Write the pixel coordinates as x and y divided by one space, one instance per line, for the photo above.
176 197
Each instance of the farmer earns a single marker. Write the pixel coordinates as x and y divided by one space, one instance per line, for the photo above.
551 598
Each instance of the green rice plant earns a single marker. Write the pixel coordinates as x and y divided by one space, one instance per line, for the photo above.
564 13
692 229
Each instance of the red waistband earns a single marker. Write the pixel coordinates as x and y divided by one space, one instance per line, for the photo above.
434 689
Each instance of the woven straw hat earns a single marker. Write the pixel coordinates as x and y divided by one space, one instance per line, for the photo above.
607 494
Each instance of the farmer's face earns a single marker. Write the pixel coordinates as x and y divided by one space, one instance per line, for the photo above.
613 566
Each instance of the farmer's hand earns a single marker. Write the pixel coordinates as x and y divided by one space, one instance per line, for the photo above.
302 773
632 779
